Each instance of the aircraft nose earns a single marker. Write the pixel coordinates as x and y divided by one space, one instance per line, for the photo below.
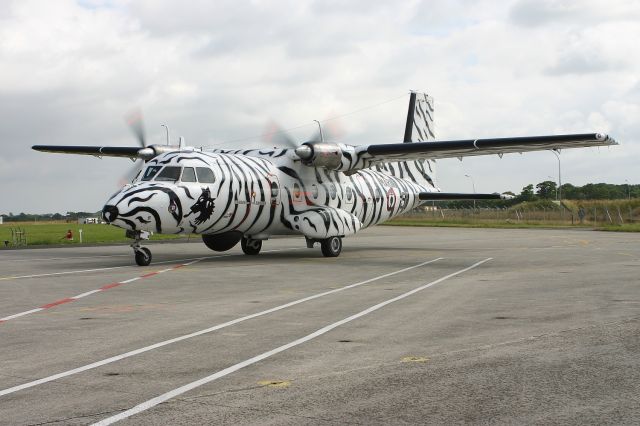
109 213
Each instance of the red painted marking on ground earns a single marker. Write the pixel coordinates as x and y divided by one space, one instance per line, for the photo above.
56 303
105 287
108 286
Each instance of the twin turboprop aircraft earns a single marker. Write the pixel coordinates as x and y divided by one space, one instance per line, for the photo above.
320 190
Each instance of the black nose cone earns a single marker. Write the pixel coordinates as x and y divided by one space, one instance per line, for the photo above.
109 213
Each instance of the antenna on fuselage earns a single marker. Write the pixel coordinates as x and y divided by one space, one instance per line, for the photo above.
320 127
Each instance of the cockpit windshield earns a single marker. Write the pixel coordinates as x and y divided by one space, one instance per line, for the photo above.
150 172
175 173
169 174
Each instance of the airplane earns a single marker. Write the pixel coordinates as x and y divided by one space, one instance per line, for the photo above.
321 190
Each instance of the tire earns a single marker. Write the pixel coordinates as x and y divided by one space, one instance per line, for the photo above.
143 256
250 247
331 247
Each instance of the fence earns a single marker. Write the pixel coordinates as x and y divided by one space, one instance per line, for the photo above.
595 216
18 237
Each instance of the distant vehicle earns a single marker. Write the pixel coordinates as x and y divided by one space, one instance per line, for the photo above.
321 190
89 220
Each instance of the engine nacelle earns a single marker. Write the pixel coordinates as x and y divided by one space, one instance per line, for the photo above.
153 151
320 154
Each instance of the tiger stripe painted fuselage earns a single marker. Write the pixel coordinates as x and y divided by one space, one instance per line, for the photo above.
262 193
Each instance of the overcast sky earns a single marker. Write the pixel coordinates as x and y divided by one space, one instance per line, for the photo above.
217 72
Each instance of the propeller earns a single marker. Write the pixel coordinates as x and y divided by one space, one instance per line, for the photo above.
276 136
136 124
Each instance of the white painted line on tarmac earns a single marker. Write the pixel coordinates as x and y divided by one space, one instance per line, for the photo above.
116 284
190 386
201 332
88 293
65 258
10 317
194 259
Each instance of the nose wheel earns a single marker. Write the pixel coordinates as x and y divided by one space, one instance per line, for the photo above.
143 256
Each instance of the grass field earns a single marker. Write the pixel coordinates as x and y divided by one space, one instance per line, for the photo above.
48 233
475 223
52 233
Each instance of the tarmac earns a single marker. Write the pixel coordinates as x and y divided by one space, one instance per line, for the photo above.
407 326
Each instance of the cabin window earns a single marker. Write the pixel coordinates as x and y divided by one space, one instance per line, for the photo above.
150 172
349 194
332 191
188 174
205 175
169 174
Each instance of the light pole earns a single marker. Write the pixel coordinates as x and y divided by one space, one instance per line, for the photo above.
167 128
628 189
552 178
474 190
559 175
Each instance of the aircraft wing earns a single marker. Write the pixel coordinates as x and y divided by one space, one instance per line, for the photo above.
100 151
469 147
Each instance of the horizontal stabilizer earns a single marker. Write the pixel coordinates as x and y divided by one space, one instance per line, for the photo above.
432 196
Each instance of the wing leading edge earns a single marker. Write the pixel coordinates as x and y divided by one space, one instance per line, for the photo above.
469 147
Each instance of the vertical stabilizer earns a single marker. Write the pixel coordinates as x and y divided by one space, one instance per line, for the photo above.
419 128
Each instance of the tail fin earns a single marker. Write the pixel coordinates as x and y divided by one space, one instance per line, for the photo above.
419 126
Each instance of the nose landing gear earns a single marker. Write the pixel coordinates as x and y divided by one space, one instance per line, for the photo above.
142 254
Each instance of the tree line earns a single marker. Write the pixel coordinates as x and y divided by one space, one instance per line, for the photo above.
31 217
548 191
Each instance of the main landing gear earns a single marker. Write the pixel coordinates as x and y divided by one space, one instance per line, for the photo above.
330 247
142 254
250 246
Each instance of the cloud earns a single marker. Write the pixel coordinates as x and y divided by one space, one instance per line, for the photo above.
216 72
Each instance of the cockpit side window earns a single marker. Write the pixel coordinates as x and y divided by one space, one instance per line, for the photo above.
169 174
188 175
150 172
205 175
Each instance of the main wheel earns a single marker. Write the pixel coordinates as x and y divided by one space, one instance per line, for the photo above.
143 256
250 247
331 247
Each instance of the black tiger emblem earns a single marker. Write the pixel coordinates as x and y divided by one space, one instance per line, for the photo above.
203 207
